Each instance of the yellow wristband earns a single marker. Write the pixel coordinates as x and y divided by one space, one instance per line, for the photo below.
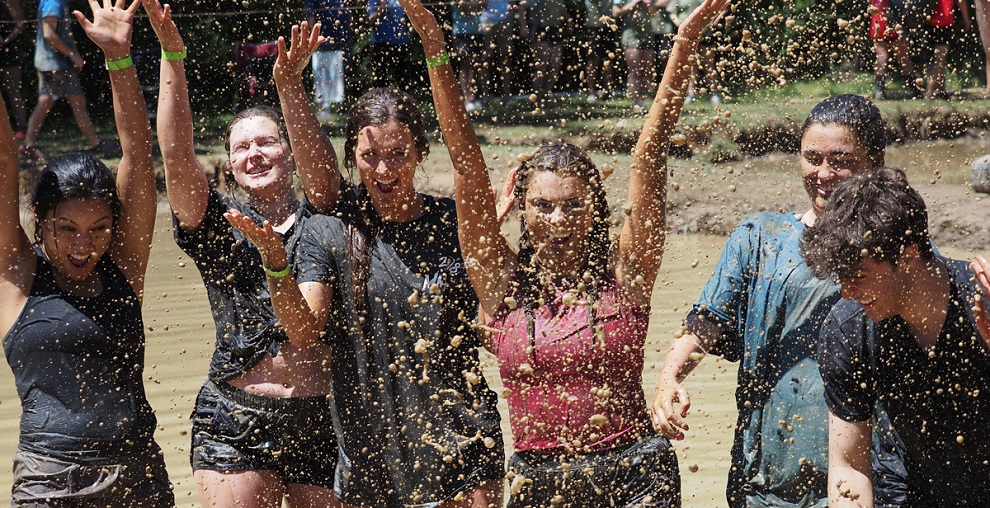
279 274
123 63
437 61
174 56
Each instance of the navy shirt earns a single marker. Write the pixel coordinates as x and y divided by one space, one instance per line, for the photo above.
236 284
939 402
335 22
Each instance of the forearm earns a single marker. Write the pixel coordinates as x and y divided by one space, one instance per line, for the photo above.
684 355
848 488
294 315
187 187
312 151
10 217
850 468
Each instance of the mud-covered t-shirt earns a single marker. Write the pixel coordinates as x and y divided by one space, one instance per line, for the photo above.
417 420
769 308
236 284
938 401
77 364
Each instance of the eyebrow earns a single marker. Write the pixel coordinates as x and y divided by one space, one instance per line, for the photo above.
66 219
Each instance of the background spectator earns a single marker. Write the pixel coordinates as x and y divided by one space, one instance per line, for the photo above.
600 34
330 59
678 11
637 47
885 39
389 50
542 22
11 28
983 22
941 20
496 27
468 50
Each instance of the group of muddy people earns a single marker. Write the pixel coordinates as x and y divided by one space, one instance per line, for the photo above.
349 322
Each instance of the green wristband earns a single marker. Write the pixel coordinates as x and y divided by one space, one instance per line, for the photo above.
279 274
174 56
123 63
437 61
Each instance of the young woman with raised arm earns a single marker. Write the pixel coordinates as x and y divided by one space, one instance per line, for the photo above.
70 306
262 426
569 313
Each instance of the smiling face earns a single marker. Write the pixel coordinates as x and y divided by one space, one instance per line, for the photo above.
559 220
829 155
259 157
76 235
877 287
386 159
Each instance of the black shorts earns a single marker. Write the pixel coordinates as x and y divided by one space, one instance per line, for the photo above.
643 473
134 479
602 40
238 431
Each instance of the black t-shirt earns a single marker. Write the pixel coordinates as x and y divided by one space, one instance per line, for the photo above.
939 403
236 284
417 418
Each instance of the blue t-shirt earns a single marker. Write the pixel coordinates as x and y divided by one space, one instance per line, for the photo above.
770 308
336 22
46 57
391 28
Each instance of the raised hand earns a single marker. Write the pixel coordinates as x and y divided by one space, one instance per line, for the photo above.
980 306
293 60
163 25
505 203
704 15
111 26
264 238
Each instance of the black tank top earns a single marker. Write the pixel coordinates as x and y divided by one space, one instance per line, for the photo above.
77 364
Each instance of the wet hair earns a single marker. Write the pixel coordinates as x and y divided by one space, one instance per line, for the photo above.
73 176
564 159
874 214
379 107
261 110
376 107
857 114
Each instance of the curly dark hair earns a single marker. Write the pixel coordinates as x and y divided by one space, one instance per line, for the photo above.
875 214
563 158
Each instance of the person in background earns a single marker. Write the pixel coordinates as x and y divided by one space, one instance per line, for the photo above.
637 47
910 334
983 23
599 30
677 10
11 29
390 47
70 307
468 51
58 63
940 34
543 22
332 58
886 40
497 21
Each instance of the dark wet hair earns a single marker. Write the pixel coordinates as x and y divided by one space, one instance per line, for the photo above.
261 110
874 214
859 115
74 176
376 107
563 158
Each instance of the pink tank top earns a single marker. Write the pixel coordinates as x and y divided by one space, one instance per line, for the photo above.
569 389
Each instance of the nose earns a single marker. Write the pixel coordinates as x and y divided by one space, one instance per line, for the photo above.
557 217
825 171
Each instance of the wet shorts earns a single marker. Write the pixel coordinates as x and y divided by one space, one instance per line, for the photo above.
135 479
643 473
59 84
238 431
940 35
601 41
